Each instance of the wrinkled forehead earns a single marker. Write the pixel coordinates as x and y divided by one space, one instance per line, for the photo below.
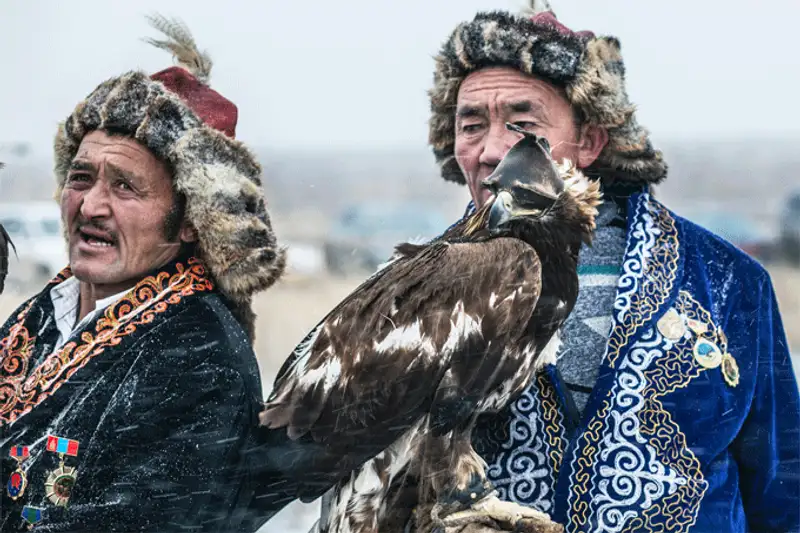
507 89
99 149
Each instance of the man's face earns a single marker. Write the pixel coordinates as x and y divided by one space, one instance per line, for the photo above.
489 98
115 203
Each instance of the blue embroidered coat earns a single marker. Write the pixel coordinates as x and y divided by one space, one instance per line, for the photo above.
694 422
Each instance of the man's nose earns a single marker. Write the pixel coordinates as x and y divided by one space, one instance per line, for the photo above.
95 202
499 141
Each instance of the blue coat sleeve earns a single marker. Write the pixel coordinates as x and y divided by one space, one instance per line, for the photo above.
767 448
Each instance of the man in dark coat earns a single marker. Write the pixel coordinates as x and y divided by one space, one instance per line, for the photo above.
129 389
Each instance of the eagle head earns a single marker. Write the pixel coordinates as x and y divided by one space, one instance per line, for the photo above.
532 191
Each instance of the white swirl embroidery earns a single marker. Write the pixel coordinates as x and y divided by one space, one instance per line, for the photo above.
629 475
520 471
643 235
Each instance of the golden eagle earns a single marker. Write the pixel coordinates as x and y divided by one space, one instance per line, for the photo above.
389 384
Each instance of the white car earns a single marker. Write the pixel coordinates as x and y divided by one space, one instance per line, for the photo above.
35 229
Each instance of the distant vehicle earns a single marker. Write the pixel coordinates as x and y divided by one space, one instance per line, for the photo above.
737 229
790 229
35 228
365 235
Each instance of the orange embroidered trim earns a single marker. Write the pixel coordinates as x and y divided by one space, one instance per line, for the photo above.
150 297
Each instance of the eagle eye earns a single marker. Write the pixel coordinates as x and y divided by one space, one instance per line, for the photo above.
533 200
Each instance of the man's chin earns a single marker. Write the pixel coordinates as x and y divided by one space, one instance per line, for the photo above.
92 271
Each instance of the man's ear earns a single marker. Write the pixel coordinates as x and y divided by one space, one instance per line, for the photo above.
593 140
187 233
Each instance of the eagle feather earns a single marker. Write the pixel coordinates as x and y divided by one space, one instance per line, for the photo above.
182 45
535 7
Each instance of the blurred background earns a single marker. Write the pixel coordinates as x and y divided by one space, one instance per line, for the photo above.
332 98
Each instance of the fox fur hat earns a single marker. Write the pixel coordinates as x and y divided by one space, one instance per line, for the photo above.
182 121
588 68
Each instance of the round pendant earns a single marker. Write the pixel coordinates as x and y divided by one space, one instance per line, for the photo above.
16 484
58 486
671 325
730 370
707 353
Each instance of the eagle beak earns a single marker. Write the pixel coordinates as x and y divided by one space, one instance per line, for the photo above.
505 208
502 210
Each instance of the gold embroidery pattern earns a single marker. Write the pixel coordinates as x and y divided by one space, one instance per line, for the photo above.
149 298
649 271
553 427
582 467
668 375
673 370
669 468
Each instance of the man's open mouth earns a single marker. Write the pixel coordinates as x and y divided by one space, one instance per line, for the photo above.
95 238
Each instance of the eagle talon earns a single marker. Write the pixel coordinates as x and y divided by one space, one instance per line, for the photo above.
478 489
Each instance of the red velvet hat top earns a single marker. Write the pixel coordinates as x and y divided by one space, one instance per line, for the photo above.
212 108
548 18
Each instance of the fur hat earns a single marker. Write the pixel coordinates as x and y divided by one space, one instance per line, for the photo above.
588 68
191 127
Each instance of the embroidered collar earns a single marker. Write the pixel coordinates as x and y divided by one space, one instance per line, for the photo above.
66 297
25 386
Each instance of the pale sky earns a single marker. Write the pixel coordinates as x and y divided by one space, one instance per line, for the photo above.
356 72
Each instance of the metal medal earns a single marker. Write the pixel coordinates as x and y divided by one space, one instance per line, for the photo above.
707 353
32 515
17 481
60 481
730 370
671 325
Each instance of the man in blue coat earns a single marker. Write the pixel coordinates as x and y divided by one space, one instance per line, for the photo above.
673 405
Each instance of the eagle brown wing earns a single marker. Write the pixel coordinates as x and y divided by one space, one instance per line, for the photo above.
431 326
